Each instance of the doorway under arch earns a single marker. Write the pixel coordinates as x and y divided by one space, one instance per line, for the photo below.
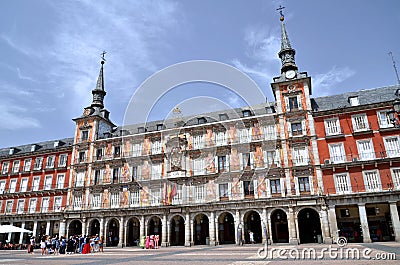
94 228
75 228
252 222
113 233
201 229
226 228
279 227
133 232
177 231
309 226
154 226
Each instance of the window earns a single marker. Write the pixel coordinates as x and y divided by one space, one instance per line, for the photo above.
222 164
60 181
97 177
300 156
160 127
115 174
156 171
80 178
199 166
38 163
9 206
297 128
45 205
99 153
27 164
223 117
332 126
354 101
248 188
344 212
360 122
62 160
270 132
392 146
20 206
77 201
5 167
177 199
117 151
198 141
136 149
96 200
395 177
342 183
337 153
156 197
271 158
156 148
2 186
57 204
135 173
81 156
84 135
304 184
293 103
15 168
371 180
246 113
35 183
50 161
32 205
383 119
223 190
140 130
13 186
201 120
275 186
24 185
48 182
245 135
365 149
220 138
199 193
246 160
135 198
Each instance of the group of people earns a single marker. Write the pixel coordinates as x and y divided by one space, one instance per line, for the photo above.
152 241
74 244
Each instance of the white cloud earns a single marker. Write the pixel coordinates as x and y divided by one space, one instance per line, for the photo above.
324 84
13 117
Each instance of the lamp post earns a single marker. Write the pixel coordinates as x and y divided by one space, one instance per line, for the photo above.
395 113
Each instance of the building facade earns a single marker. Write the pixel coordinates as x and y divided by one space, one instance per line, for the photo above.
294 171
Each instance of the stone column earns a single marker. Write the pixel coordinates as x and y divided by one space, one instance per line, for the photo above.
269 227
142 227
101 232
9 234
292 227
212 229
84 226
48 228
216 231
191 233
121 242
394 214
169 232
333 221
237 222
364 223
34 228
325 225
264 226
21 236
187 230
61 231
164 232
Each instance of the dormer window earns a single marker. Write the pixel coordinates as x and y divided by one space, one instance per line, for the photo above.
354 101
223 117
140 130
12 151
201 120
33 148
160 127
246 113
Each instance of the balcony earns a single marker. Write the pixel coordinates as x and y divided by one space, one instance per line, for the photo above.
358 158
361 188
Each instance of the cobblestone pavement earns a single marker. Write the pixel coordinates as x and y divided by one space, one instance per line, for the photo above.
227 255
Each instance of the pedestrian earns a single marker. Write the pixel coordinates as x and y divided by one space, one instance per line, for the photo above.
101 243
239 235
31 246
251 234
71 245
43 245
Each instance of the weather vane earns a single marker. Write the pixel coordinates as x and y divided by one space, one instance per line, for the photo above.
280 11
102 55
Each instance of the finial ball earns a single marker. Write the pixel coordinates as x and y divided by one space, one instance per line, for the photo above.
102 62
282 18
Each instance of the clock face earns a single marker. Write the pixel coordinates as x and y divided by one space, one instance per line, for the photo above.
290 74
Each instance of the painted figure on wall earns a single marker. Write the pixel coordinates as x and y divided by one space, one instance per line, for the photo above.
127 148
256 131
209 138
258 157
235 161
108 150
106 200
107 174
144 197
145 170
125 176
262 187
124 198
146 147
236 194
210 163
210 191
232 134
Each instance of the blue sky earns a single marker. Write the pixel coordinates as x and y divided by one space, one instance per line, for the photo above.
51 53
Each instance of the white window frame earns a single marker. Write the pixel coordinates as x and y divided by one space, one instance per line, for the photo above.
332 126
360 122
114 199
62 160
13 186
199 193
342 183
392 149
45 205
24 185
48 182
270 132
395 172
199 166
198 141
27 164
337 152
221 138
156 147
38 163
16 165
32 205
300 156
57 206
96 200
20 206
36 180
77 204
177 199
155 197
50 161
9 206
156 171
136 149
80 179
383 119
60 181
362 152
134 198
5 167
2 186
245 135
370 183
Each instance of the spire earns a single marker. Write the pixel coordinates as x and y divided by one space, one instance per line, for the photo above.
286 54
99 92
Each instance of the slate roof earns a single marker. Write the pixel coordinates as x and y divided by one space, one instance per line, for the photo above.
41 146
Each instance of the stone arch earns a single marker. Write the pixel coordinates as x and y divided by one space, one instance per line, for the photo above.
113 236
279 226
252 224
309 225
94 227
201 231
133 231
226 228
177 230
75 227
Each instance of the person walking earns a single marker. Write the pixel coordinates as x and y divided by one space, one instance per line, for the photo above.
43 245
101 244
251 234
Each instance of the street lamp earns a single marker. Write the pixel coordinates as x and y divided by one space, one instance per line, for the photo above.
396 110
